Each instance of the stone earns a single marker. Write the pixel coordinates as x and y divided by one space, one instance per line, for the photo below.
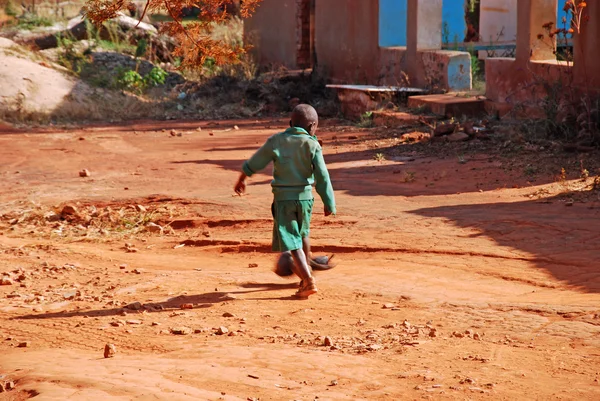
433 333
327 341
24 344
222 330
252 265
69 210
117 323
173 132
141 208
458 137
154 228
458 334
133 321
70 294
110 350
187 306
477 336
181 331
84 173
136 271
6 281
135 306
123 267
227 314
388 306
445 129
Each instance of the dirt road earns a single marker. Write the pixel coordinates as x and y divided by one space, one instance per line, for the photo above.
459 277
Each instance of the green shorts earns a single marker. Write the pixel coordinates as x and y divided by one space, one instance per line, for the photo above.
291 223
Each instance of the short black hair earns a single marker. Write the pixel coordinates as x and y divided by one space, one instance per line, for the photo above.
303 115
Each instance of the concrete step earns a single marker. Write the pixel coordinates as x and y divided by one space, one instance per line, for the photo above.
449 105
395 119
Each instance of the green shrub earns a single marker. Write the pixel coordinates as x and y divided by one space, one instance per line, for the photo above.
32 21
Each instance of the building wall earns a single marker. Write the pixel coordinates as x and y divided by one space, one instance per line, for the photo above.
497 15
392 23
347 39
454 25
272 30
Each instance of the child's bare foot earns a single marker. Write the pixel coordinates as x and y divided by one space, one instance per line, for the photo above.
306 289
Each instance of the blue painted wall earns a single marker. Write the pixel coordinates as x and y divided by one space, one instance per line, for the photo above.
392 22
454 26
562 13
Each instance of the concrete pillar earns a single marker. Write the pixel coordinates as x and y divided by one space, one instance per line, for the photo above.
424 25
586 54
531 16
423 30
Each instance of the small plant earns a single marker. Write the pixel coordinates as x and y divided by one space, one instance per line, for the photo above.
530 170
70 57
132 81
584 173
11 9
379 157
366 120
157 76
563 175
409 176
32 21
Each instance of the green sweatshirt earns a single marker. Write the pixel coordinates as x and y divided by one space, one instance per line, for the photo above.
298 162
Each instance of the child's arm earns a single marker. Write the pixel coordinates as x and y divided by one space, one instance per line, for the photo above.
323 183
257 162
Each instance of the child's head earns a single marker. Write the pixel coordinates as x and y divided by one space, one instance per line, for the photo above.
305 116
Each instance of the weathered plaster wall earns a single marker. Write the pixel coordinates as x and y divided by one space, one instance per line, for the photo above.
393 15
347 39
272 30
587 49
501 16
430 33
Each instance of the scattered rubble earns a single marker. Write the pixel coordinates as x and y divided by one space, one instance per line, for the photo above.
182 331
110 350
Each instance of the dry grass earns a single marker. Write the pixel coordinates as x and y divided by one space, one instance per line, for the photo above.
84 104
88 221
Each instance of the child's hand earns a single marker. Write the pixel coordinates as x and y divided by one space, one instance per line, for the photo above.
240 187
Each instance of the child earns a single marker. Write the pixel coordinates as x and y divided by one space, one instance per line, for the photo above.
298 163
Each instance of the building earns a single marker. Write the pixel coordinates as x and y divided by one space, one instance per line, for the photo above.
401 42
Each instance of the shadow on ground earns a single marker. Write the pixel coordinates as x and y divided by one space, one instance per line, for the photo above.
199 301
565 240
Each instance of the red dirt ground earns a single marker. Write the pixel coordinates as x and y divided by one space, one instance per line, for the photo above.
457 278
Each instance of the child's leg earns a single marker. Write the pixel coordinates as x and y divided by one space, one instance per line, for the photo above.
306 248
301 267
